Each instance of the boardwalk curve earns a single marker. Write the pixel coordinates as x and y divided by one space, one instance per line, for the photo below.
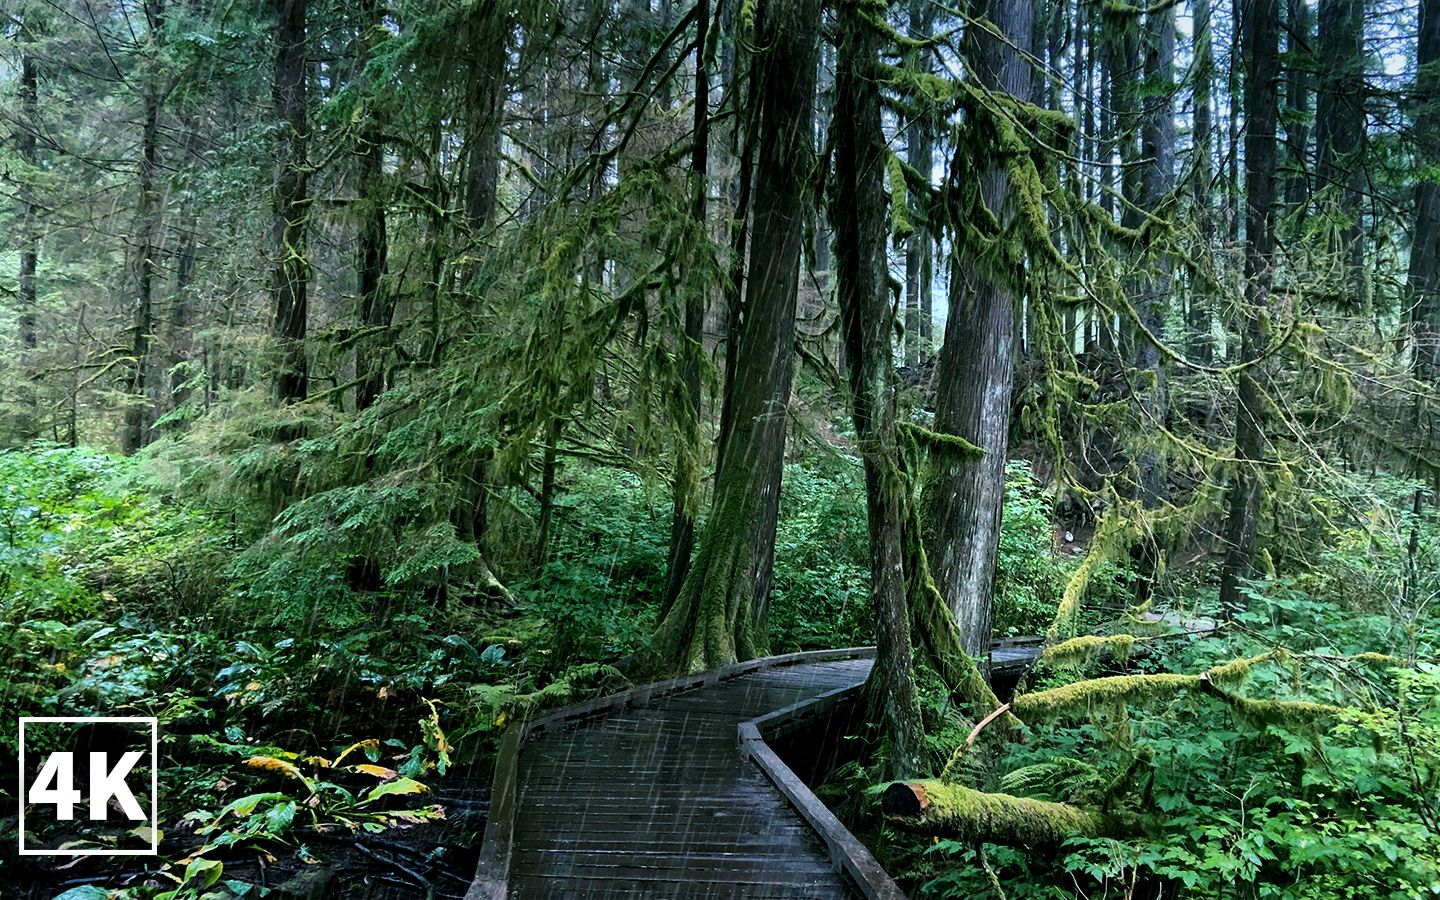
670 791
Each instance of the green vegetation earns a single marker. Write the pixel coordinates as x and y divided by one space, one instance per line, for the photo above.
380 375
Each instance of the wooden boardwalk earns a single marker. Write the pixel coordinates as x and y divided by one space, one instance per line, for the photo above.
649 794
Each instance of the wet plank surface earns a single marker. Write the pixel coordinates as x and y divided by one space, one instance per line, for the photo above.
656 800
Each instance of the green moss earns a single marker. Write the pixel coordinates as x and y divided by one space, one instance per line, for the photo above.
1115 690
956 811
1087 648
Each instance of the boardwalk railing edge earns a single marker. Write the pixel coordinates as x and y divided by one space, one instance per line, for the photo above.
847 852
492 872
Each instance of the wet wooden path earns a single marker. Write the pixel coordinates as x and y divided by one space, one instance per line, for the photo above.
651 794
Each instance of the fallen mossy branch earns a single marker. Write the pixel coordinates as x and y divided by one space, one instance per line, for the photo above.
1110 691
1126 690
1087 648
955 811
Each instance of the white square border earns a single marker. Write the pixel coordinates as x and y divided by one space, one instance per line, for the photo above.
154 724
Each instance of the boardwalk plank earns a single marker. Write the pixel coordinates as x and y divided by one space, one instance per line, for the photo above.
655 800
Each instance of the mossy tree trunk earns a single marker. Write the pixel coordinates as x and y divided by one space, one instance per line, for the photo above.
1152 299
952 810
1261 35
963 495
377 308
485 91
687 469
1299 78
719 615
1340 134
292 203
857 213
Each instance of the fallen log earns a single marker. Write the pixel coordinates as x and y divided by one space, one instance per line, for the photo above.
952 810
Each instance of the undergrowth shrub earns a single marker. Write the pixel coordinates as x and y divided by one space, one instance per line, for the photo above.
1028 576
821 595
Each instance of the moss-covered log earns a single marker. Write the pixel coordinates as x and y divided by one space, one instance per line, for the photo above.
955 811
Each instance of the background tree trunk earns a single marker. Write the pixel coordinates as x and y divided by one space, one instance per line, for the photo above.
1200 345
1152 302
292 203
1423 278
29 232
1261 30
377 306
136 432
1340 132
919 149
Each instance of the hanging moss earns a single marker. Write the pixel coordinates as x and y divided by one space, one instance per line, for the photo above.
1111 534
955 811
900 225
1294 715
938 442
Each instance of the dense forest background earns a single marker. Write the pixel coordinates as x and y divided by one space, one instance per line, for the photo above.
381 372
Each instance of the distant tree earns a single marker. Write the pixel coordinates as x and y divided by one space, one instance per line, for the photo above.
291 202
148 214
1261 33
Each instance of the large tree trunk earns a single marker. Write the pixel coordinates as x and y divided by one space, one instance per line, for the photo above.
147 226
1152 301
377 307
484 115
292 203
857 213
963 496
719 614
1424 276
1340 132
687 466
1261 30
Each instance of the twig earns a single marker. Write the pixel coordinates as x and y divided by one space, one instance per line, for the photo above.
399 867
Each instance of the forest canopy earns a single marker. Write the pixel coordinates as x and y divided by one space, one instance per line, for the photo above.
380 374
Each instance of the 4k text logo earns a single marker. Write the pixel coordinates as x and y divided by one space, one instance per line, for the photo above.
108 776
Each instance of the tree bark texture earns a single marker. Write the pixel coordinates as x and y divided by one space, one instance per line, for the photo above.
292 203
963 496
1261 31
718 617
